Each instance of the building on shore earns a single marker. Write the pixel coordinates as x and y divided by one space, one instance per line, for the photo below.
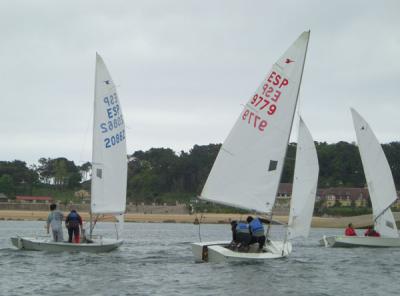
33 199
333 196
3 197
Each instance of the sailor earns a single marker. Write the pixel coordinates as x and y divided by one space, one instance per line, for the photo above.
350 230
257 230
372 232
54 220
74 223
233 228
243 236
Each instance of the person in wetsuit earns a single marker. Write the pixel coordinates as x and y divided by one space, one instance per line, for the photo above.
243 236
73 222
257 230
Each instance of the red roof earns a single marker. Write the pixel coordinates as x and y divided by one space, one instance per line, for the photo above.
31 198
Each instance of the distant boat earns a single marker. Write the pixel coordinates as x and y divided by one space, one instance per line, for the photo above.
381 190
109 171
248 168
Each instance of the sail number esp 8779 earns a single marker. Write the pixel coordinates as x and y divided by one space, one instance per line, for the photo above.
266 100
113 122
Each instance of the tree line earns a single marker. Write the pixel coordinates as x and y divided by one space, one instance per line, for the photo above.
162 175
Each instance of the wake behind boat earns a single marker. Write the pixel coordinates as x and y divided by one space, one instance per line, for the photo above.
381 188
248 168
109 171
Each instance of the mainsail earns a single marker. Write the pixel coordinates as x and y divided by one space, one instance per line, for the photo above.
109 158
379 177
248 167
304 184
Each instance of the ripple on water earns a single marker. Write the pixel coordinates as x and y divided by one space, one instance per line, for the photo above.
156 259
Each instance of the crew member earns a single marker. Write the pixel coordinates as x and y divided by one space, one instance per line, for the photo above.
372 232
350 230
257 230
54 220
243 236
74 224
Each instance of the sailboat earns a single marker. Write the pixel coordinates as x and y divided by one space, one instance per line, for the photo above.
109 171
305 182
381 188
248 168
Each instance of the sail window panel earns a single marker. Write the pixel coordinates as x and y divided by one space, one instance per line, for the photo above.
273 164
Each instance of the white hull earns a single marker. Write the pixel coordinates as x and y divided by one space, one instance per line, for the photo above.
218 252
46 244
359 241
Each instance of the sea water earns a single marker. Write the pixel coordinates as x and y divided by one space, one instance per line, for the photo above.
156 259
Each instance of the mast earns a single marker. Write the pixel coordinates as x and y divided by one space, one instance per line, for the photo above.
93 145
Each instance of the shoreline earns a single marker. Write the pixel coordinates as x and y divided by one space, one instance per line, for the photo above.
206 218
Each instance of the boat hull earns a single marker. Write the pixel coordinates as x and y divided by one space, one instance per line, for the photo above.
46 244
218 251
359 241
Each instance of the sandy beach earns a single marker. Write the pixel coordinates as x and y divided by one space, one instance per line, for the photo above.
329 222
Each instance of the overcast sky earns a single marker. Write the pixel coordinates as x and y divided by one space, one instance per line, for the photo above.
184 69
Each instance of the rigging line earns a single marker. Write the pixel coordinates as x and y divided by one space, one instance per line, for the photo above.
269 226
286 238
94 223
199 222
116 229
383 212
201 218
85 138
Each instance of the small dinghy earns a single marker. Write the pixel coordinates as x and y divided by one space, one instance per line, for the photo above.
109 171
47 244
381 190
247 171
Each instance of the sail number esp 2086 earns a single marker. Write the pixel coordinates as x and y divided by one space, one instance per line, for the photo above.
266 99
115 120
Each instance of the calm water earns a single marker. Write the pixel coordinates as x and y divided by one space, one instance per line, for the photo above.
156 259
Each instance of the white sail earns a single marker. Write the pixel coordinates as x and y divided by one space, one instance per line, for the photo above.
248 168
109 163
379 177
304 184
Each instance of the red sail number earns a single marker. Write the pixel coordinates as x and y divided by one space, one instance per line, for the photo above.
261 103
254 120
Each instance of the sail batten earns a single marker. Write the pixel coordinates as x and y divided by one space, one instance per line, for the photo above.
109 158
378 175
248 176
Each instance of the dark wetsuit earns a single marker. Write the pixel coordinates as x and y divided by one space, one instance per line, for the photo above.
257 232
243 234
73 222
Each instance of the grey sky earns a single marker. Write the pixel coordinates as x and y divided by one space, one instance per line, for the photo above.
185 67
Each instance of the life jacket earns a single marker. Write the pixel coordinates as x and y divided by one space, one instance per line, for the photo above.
375 233
242 228
256 227
73 220
372 232
350 232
